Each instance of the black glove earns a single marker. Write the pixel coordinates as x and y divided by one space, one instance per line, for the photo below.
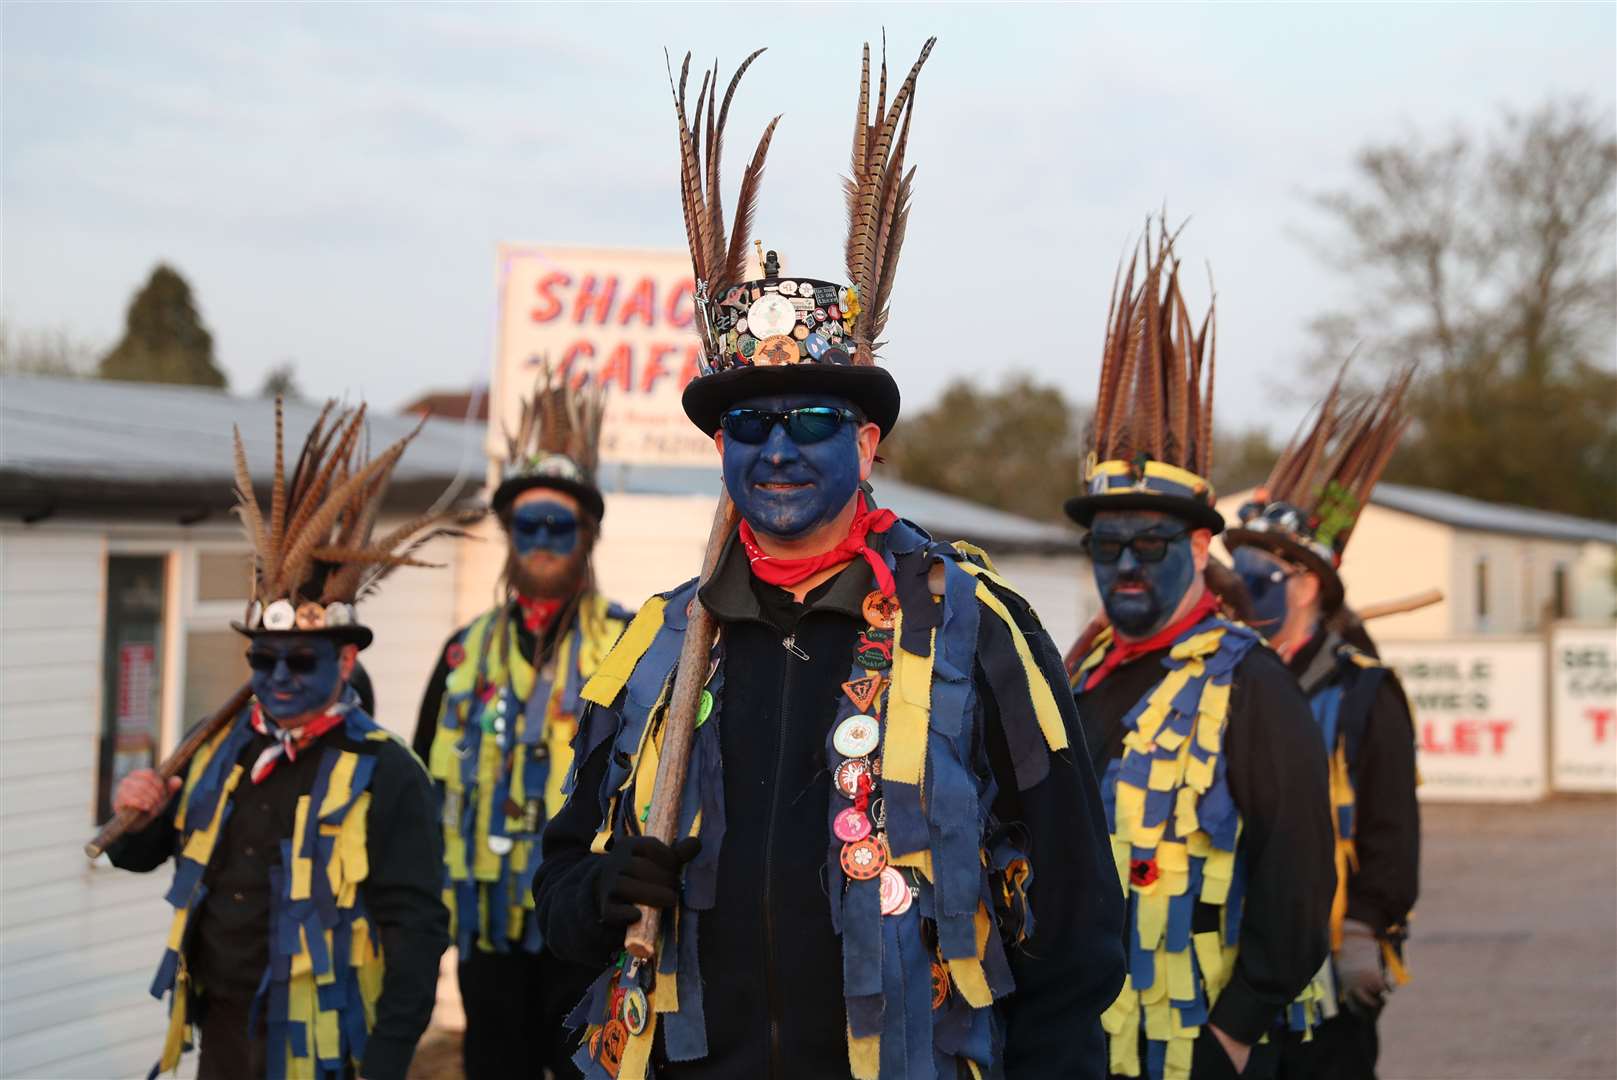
641 870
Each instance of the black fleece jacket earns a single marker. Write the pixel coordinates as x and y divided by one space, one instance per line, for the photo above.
1380 736
1277 776
771 963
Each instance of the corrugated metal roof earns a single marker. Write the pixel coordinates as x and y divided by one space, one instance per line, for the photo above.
68 443
72 442
1467 513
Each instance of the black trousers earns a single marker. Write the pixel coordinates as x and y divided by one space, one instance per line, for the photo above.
515 1004
1345 1047
228 1051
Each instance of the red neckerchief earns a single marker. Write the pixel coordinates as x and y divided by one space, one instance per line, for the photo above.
1123 651
289 742
538 614
788 572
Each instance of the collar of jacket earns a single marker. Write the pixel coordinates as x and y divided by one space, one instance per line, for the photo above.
729 596
1314 663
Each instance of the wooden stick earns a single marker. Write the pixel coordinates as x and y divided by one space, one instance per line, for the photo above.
172 766
1399 607
679 725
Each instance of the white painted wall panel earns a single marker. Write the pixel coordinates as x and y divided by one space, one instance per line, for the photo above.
78 944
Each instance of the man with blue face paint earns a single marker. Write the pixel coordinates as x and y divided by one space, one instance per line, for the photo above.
1288 548
301 823
496 727
889 861
1213 774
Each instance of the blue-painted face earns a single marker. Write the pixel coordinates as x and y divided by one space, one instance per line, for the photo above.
544 525
294 674
1265 577
1140 596
787 489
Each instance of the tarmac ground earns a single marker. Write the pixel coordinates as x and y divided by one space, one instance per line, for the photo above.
1513 954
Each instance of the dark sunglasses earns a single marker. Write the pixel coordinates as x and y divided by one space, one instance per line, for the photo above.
555 524
298 663
811 424
1147 547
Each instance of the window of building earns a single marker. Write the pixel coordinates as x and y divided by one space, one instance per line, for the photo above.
1482 593
132 670
170 657
1560 604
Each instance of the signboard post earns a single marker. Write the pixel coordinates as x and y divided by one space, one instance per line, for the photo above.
1583 708
623 317
1479 717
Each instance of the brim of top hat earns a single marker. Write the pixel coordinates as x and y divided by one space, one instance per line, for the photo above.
588 495
867 386
1083 508
1278 543
344 635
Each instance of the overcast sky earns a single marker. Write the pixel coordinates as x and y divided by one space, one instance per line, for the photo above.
333 180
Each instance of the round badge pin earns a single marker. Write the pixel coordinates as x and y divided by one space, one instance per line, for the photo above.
847 775
614 1038
787 288
940 984
850 825
635 1010
501 845
280 616
816 344
704 709
741 325
880 611
771 314
310 616
339 614
779 349
863 859
800 332
254 614
857 736
895 892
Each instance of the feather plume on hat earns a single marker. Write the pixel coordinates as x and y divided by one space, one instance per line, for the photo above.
787 333
557 441
1320 484
1152 432
315 555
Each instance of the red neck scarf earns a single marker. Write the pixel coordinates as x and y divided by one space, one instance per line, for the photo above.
538 614
290 742
776 570
1123 651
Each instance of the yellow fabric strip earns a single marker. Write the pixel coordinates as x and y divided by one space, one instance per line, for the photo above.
175 1038
909 705
1044 702
603 689
339 788
864 1056
194 771
1155 469
302 868
200 846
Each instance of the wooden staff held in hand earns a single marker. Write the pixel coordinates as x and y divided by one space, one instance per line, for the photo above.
679 724
170 769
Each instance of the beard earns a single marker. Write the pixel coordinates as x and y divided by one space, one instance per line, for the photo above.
551 577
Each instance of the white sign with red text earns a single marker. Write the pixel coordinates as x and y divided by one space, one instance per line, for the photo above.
1479 717
1583 708
623 317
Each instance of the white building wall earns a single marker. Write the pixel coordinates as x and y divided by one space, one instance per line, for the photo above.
412 614
78 942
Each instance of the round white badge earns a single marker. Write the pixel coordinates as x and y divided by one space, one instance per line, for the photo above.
280 616
857 736
501 845
771 314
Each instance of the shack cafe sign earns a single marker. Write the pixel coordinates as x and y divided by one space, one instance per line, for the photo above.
623 318
1480 729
